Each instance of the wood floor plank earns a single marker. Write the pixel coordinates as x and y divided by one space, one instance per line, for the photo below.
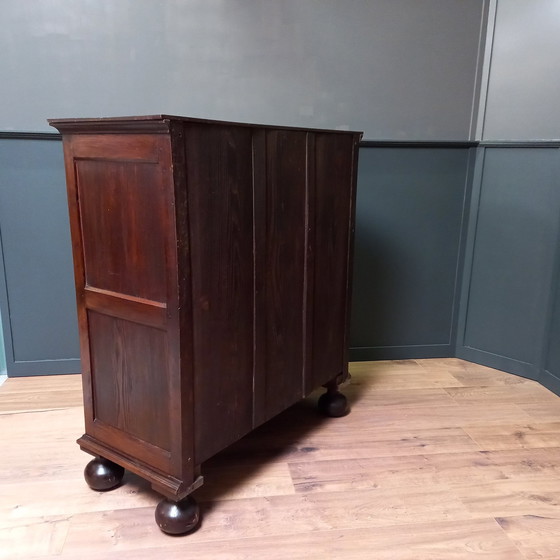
506 498
44 384
472 375
519 393
37 401
47 498
485 466
447 416
548 411
25 394
409 379
41 445
384 366
437 470
537 537
352 474
401 398
530 435
228 482
34 537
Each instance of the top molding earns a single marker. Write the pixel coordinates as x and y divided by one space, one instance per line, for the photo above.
161 124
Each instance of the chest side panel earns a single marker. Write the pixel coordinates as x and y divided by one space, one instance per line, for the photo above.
121 206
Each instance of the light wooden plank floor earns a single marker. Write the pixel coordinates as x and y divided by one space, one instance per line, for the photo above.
439 459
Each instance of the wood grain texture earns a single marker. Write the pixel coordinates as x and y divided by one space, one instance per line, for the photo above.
121 195
219 179
127 382
331 233
124 227
284 269
302 486
536 536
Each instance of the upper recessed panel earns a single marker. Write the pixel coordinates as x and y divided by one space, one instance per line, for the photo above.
122 214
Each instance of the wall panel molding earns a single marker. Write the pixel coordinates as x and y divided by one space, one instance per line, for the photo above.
510 302
37 297
9 135
410 237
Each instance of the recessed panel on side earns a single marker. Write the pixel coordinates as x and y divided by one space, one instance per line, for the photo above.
124 222
283 274
330 234
219 186
130 378
409 213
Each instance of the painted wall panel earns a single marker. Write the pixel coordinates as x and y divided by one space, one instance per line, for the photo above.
398 69
515 235
2 350
552 358
38 304
550 371
524 80
410 207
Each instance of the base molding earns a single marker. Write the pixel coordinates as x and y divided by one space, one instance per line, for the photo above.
550 381
167 485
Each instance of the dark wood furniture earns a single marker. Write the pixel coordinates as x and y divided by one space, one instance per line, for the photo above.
212 265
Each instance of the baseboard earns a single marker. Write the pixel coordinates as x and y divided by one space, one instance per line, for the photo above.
496 361
365 354
551 382
45 367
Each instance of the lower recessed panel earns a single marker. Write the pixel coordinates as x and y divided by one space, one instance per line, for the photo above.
130 378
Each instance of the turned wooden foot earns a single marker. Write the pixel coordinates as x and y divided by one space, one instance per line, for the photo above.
177 518
102 474
333 403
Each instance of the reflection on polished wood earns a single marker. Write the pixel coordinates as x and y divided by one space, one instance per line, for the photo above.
440 459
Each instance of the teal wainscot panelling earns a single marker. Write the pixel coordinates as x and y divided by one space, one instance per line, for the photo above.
2 351
510 307
37 296
410 219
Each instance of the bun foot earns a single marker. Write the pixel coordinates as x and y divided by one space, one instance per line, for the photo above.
177 518
102 474
333 404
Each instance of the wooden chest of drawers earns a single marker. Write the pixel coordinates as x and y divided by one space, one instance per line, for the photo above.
212 266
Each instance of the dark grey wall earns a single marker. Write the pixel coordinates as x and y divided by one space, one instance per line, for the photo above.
397 69
409 225
37 294
508 308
